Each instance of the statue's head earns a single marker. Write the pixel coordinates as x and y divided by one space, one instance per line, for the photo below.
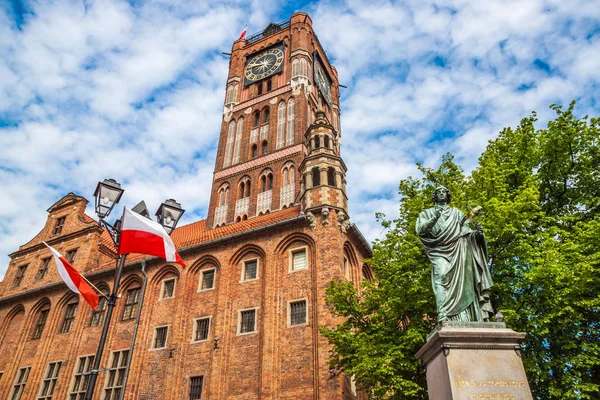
441 195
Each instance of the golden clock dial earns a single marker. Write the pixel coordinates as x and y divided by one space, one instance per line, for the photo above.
263 65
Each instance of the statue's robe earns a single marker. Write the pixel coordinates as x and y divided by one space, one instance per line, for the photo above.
460 276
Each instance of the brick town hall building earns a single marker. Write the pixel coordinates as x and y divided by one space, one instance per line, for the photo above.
242 320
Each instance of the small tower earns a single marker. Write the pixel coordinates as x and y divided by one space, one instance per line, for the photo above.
323 171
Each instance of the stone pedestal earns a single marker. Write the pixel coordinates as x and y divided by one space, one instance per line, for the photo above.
474 360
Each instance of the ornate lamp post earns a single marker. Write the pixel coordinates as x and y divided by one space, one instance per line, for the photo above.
107 195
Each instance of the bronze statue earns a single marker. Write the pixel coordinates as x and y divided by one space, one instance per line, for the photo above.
460 276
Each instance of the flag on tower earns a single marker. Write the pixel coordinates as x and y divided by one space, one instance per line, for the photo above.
243 35
73 279
144 236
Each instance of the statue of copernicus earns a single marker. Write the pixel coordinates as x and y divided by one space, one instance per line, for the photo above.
460 276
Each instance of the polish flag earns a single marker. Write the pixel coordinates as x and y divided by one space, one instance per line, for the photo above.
144 236
73 279
243 35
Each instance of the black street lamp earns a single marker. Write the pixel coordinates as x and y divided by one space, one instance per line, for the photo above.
107 195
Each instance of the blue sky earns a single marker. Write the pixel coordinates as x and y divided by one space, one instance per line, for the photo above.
134 91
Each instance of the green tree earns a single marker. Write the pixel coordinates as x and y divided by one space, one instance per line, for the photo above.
540 190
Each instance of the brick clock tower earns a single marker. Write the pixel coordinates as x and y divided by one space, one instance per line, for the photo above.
280 136
242 321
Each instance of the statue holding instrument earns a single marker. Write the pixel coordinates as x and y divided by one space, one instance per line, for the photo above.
460 275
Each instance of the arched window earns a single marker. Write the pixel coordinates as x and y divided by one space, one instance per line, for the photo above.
242 190
255 119
229 144
367 273
290 122
285 176
254 151
304 67
331 176
326 140
244 187
264 147
224 194
316 176
247 188
281 125
270 182
231 95
238 141
269 85
41 321
292 176
69 315
260 88
317 141
266 115
295 67
263 183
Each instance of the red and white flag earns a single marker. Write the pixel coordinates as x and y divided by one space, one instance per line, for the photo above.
243 35
73 279
142 235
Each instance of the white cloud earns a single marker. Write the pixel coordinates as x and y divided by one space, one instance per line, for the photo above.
134 91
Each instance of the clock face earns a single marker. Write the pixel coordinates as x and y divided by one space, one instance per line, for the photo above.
263 65
322 82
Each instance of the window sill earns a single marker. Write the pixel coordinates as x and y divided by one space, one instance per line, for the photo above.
205 290
246 333
249 280
297 270
199 341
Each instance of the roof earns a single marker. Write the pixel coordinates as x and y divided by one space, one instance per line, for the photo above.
196 232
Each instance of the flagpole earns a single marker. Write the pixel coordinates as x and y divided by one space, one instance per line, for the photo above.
94 287
112 300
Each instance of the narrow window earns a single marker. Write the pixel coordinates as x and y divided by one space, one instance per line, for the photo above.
41 274
298 259
20 274
331 176
247 321
58 226
263 183
116 375
260 88
41 322
49 382
196 383
270 182
367 273
256 119
69 318
269 85
317 141
248 189
238 141
168 288
160 337
70 256
254 151
264 147
316 176
326 141
229 144
241 192
131 304
285 176
81 378
290 123
346 268
202 328
20 382
208 279
281 125
99 313
266 115
250 270
298 312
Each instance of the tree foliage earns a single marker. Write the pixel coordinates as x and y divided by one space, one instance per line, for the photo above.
540 191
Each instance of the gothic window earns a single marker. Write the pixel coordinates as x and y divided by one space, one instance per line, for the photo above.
266 115
304 67
229 144
49 382
41 322
255 119
290 122
254 151
231 95
43 269
20 274
266 182
132 302
224 194
269 85
295 67
244 188
58 225
238 141
367 273
316 176
288 175
260 88
326 141
69 317
100 311
331 176
264 147
281 125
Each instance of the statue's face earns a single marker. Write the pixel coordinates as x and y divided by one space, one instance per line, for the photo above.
441 196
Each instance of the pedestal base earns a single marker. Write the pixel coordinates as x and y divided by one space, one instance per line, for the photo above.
474 360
